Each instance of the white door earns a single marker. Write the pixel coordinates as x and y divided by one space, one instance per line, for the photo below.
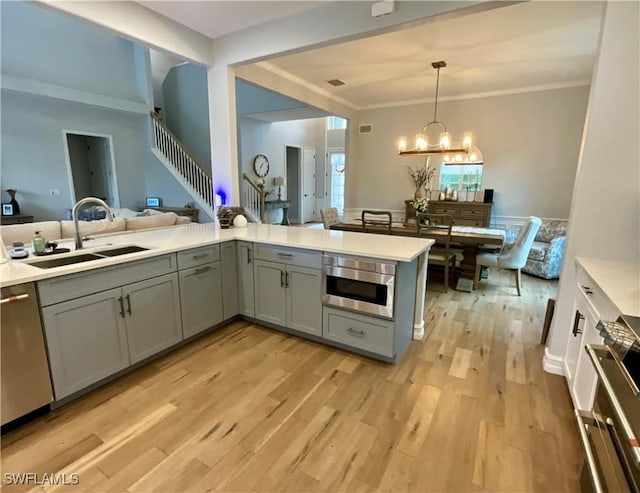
308 184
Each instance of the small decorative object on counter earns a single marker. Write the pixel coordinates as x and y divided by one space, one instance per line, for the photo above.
18 250
239 221
226 215
38 243
421 178
16 208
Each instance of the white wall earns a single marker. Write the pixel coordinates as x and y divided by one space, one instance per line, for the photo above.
605 213
530 144
270 139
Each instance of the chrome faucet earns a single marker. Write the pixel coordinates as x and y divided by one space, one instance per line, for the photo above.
74 214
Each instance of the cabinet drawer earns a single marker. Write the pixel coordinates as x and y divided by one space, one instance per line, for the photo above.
470 213
367 333
198 256
291 256
73 286
598 302
453 211
478 223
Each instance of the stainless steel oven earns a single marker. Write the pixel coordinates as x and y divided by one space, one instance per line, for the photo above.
610 432
360 285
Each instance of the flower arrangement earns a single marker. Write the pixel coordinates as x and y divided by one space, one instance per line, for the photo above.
421 178
421 204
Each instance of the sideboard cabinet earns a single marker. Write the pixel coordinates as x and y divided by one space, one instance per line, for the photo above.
464 213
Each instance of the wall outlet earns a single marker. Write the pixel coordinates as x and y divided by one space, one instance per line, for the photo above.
54 192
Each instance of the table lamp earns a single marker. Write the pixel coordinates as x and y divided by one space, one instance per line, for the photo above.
279 181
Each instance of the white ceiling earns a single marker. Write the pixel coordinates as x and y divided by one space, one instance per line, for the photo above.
518 47
215 18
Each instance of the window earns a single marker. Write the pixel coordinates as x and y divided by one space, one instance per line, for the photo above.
336 123
461 177
336 190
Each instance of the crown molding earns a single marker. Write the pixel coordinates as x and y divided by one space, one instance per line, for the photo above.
478 95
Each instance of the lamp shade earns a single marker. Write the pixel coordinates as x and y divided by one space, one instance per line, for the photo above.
279 181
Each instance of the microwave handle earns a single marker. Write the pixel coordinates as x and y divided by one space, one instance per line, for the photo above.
632 440
591 461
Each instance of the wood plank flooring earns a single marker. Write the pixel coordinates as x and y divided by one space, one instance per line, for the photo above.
468 409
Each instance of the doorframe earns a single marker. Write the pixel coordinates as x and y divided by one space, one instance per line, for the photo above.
114 177
286 176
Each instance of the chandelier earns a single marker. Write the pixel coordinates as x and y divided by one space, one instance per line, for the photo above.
464 152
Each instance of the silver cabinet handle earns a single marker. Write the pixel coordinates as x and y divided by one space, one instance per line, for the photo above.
282 279
355 332
128 304
248 255
200 270
120 300
632 440
591 461
199 256
586 289
14 298
287 255
286 280
576 324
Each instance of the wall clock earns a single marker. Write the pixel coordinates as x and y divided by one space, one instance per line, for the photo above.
261 165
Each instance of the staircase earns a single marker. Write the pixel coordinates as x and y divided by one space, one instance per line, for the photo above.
184 167
253 200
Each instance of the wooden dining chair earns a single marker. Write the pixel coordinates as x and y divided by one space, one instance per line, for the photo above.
376 224
440 253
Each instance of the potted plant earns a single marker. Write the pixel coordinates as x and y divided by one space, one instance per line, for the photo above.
421 178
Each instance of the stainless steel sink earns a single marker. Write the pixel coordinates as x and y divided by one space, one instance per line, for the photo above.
77 258
124 250
60 261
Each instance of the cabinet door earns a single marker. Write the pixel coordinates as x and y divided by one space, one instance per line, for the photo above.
152 315
304 305
585 377
229 267
271 295
200 298
245 279
87 340
574 343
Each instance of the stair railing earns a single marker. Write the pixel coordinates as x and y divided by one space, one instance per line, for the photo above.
182 160
254 198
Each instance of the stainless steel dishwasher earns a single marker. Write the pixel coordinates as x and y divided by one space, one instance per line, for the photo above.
24 379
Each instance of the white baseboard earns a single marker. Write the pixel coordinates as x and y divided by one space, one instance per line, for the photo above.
552 364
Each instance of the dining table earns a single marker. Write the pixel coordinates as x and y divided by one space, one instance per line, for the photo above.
469 238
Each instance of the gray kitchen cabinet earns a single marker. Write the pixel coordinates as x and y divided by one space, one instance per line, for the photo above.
304 304
229 265
86 340
201 298
246 299
152 315
288 296
270 292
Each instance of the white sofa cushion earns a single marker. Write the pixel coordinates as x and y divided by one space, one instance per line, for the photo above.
100 227
12 233
155 221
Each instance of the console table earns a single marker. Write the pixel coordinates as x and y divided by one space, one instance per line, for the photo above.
271 205
17 219
476 214
191 212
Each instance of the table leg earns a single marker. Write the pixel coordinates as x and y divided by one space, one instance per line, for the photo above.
467 268
285 217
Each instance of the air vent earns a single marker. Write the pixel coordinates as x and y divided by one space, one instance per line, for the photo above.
365 128
336 82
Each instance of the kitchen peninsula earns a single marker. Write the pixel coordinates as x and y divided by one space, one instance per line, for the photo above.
136 296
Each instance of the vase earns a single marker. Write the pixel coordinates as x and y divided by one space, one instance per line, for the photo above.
418 194
13 201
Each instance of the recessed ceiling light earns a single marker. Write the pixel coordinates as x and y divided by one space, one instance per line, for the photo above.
336 82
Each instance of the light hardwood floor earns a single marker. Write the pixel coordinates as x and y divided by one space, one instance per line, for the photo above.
249 409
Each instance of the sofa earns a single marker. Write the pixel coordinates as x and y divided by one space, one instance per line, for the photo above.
59 230
547 252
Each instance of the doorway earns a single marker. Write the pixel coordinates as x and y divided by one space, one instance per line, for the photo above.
301 183
308 184
91 167
335 177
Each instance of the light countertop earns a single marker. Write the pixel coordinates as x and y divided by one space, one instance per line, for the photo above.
170 240
620 282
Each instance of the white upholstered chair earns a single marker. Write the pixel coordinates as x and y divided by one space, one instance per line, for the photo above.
512 257
329 217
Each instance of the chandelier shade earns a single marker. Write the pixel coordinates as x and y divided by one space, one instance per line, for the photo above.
440 143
